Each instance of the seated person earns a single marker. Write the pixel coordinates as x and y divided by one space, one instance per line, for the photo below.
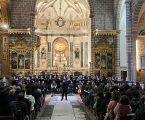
21 104
7 108
140 112
122 108
30 98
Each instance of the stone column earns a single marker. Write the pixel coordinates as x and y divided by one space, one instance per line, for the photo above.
130 50
4 67
116 50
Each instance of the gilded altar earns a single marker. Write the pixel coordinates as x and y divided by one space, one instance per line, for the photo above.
103 52
20 51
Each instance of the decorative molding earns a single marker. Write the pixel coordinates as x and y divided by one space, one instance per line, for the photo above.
106 32
141 36
3 32
67 34
19 31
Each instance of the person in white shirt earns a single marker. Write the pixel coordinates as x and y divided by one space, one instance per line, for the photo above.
4 80
53 87
30 98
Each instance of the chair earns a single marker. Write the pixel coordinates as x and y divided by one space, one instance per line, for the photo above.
7 117
19 115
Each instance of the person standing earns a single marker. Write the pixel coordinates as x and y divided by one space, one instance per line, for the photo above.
64 88
53 87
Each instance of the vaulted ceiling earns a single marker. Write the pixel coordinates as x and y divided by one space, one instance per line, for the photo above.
69 10
62 8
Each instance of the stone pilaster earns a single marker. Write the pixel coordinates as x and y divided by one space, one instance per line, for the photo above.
4 53
130 49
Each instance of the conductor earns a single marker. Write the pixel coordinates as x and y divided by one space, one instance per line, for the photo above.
64 89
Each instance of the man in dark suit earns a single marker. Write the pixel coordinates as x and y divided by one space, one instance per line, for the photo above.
64 89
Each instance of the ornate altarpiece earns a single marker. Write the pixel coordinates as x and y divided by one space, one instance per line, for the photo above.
103 52
20 51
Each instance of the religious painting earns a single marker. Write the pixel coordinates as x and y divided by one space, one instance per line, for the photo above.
109 61
27 60
103 61
14 61
21 61
43 53
60 52
97 60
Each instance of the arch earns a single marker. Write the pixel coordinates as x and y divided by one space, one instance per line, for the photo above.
48 15
74 27
60 52
136 11
135 18
141 23
141 12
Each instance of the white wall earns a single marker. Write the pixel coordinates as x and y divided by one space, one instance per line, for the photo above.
122 36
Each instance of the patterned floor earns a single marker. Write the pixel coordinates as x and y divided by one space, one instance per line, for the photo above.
69 109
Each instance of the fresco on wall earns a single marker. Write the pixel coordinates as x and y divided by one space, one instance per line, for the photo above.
14 60
60 52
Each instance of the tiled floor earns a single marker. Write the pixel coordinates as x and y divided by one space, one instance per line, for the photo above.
64 110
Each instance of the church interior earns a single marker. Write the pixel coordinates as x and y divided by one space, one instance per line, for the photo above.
68 36
79 39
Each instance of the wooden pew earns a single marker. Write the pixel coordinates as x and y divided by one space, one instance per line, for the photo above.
19 115
7 118
128 117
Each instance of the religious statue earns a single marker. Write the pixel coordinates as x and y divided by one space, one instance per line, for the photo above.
43 53
77 53
21 62
103 61
27 61
109 61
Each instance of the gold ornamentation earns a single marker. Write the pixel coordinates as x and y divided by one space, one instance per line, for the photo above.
106 32
19 31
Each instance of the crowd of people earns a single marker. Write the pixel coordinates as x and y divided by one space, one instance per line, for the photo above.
110 99
120 100
27 94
